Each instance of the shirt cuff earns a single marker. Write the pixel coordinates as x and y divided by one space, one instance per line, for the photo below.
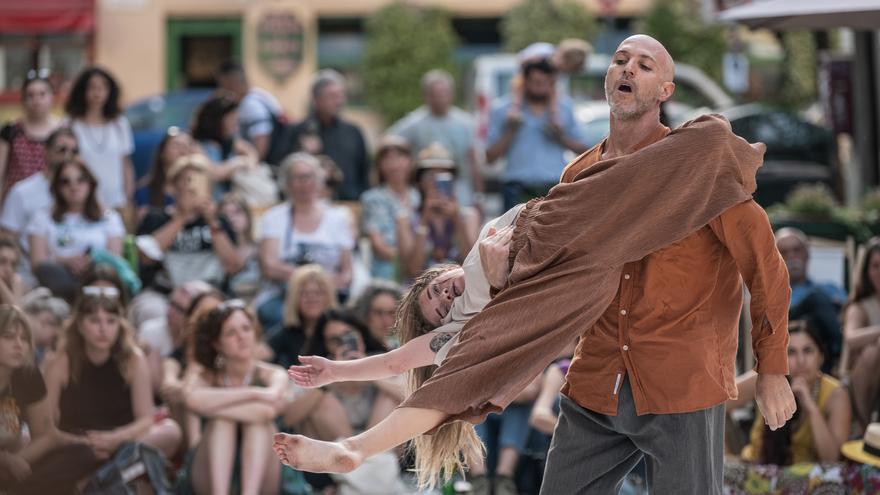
772 361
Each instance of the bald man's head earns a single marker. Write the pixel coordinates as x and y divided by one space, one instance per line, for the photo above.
639 78
665 64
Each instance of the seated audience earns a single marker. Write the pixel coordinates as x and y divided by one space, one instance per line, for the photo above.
235 393
189 240
304 229
310 292
861 334
11 283
377 308
47 315
822 421
62 238
31 195
235 210
153 190
817 303
215 129
34 457
99 382
442 230
383 204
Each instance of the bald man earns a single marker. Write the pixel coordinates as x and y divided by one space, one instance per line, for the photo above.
654 367
650 378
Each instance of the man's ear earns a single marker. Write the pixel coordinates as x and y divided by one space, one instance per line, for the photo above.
666 90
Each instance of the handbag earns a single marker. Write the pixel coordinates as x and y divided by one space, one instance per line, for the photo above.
131 462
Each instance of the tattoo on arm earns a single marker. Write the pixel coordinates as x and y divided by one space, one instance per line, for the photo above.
439 341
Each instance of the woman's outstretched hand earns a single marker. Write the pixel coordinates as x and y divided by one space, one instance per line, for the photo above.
314 372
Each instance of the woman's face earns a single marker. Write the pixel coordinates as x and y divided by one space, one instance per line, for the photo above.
75 187
874 270
312 300
302 183
176 147
343 342
396 166
804 357
230 124
100 330
237 338
37 99
14 347
236 217
46 329
436 299
380 318
97 91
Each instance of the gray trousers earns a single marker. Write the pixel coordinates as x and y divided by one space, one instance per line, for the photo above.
591 453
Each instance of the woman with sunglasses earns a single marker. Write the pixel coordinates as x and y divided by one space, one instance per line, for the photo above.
104 134
154 190
240 397
61 238
21 142
99 383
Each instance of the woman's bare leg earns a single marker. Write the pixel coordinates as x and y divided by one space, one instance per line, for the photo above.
328 421
212 465
165 435
316 456
865 381
256 452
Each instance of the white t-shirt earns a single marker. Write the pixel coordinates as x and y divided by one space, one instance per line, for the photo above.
103 148
24 200
476 287
74 234
255 113
324 246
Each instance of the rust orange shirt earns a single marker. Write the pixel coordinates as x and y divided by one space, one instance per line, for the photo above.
673 326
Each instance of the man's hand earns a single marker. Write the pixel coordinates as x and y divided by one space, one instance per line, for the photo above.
775 399
494 254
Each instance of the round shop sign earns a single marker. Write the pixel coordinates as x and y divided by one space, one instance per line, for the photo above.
280 44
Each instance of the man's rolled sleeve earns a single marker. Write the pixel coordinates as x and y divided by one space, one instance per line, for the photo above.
746 232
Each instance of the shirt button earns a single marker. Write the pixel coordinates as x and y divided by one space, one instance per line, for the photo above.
623 312
626 276
626 348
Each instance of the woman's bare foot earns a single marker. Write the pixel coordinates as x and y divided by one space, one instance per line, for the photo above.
315 456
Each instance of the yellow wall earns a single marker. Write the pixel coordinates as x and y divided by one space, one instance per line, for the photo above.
131 35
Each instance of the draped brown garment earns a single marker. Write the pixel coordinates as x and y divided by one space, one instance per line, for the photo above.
567 252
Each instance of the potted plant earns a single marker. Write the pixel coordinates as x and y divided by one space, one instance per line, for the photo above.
813 209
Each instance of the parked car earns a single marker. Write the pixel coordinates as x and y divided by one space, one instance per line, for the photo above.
151 117
798 151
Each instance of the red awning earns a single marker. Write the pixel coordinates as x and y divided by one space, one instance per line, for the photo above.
47 16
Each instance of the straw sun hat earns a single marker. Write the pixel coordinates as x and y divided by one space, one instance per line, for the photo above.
867 450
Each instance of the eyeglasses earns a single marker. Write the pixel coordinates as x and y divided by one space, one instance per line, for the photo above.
69 181
99 291
64 150
301 177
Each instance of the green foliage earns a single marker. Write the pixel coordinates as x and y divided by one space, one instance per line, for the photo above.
799 69
552 21
402 43
679 25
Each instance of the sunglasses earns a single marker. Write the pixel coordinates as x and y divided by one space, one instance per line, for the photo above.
69 181
34 74
99 291
232 304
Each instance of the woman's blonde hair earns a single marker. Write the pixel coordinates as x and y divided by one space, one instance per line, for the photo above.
295 285
454 445
74 345
12 317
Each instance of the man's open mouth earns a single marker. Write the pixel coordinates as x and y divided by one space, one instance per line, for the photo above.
625 87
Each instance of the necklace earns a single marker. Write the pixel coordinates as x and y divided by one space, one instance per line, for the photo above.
99 144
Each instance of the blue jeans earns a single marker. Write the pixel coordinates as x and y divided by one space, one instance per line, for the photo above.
508 429
515 193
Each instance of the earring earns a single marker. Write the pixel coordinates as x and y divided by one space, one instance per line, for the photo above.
218 361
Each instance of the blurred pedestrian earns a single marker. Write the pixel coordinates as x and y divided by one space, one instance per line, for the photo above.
104 135
439 121
21 141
